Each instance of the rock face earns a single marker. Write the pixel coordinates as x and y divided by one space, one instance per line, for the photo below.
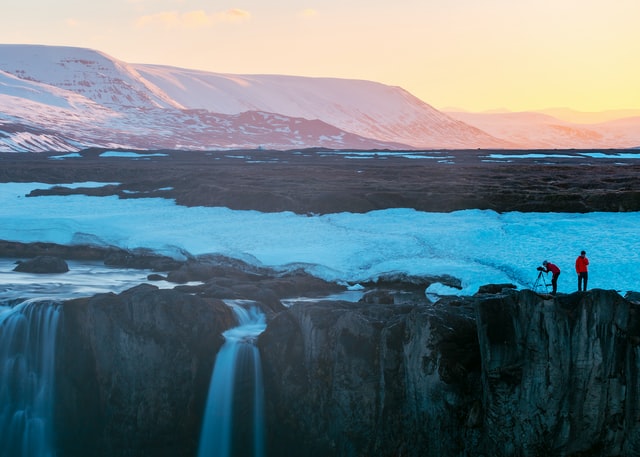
561 377
133 372
523 376
499 374
344 379
133 369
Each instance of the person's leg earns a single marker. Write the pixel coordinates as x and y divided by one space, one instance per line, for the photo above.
583 281
554 283
579 282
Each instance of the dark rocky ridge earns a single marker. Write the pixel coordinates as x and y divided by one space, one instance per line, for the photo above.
313 182
112 256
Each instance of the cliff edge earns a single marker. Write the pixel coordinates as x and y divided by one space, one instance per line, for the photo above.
510 374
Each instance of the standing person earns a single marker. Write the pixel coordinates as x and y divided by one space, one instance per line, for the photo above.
582 268
555 272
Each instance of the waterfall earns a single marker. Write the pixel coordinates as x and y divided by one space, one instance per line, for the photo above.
234 416
27 360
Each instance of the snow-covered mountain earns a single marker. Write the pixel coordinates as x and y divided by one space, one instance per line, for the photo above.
65 98
366 108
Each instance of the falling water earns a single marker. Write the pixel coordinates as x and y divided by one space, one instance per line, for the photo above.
233 421
27 347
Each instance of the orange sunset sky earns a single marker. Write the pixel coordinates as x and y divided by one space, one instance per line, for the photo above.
471 54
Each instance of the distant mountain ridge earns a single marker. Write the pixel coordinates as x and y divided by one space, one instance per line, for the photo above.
539 130
65 98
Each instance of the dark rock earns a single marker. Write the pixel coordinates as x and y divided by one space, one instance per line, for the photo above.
140 259
524 376
194 271
76 252
133 372
403 281
357 379
269 300
378 297
224 279
206 268
215 291
43 264
633 296
560 374
156 277
495 288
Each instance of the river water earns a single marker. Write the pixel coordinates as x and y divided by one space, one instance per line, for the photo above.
29 315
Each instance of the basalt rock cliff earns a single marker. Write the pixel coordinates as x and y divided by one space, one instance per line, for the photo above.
560 376
510 374
133 372
371 379
498 374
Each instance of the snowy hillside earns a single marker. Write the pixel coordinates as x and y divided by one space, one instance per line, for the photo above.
89 73
65 98
366 108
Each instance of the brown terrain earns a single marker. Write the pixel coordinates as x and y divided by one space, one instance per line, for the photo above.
314 181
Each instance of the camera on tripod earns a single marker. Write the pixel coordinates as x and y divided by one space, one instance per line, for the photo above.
540 281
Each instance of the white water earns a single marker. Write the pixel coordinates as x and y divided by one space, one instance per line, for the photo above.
84 279
28 334
234 416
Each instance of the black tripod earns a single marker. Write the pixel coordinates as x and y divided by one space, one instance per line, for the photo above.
540 281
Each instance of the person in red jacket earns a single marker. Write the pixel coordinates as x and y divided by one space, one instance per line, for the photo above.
582 268
555 272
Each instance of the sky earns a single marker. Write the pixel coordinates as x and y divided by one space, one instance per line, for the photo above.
477 246
464 54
